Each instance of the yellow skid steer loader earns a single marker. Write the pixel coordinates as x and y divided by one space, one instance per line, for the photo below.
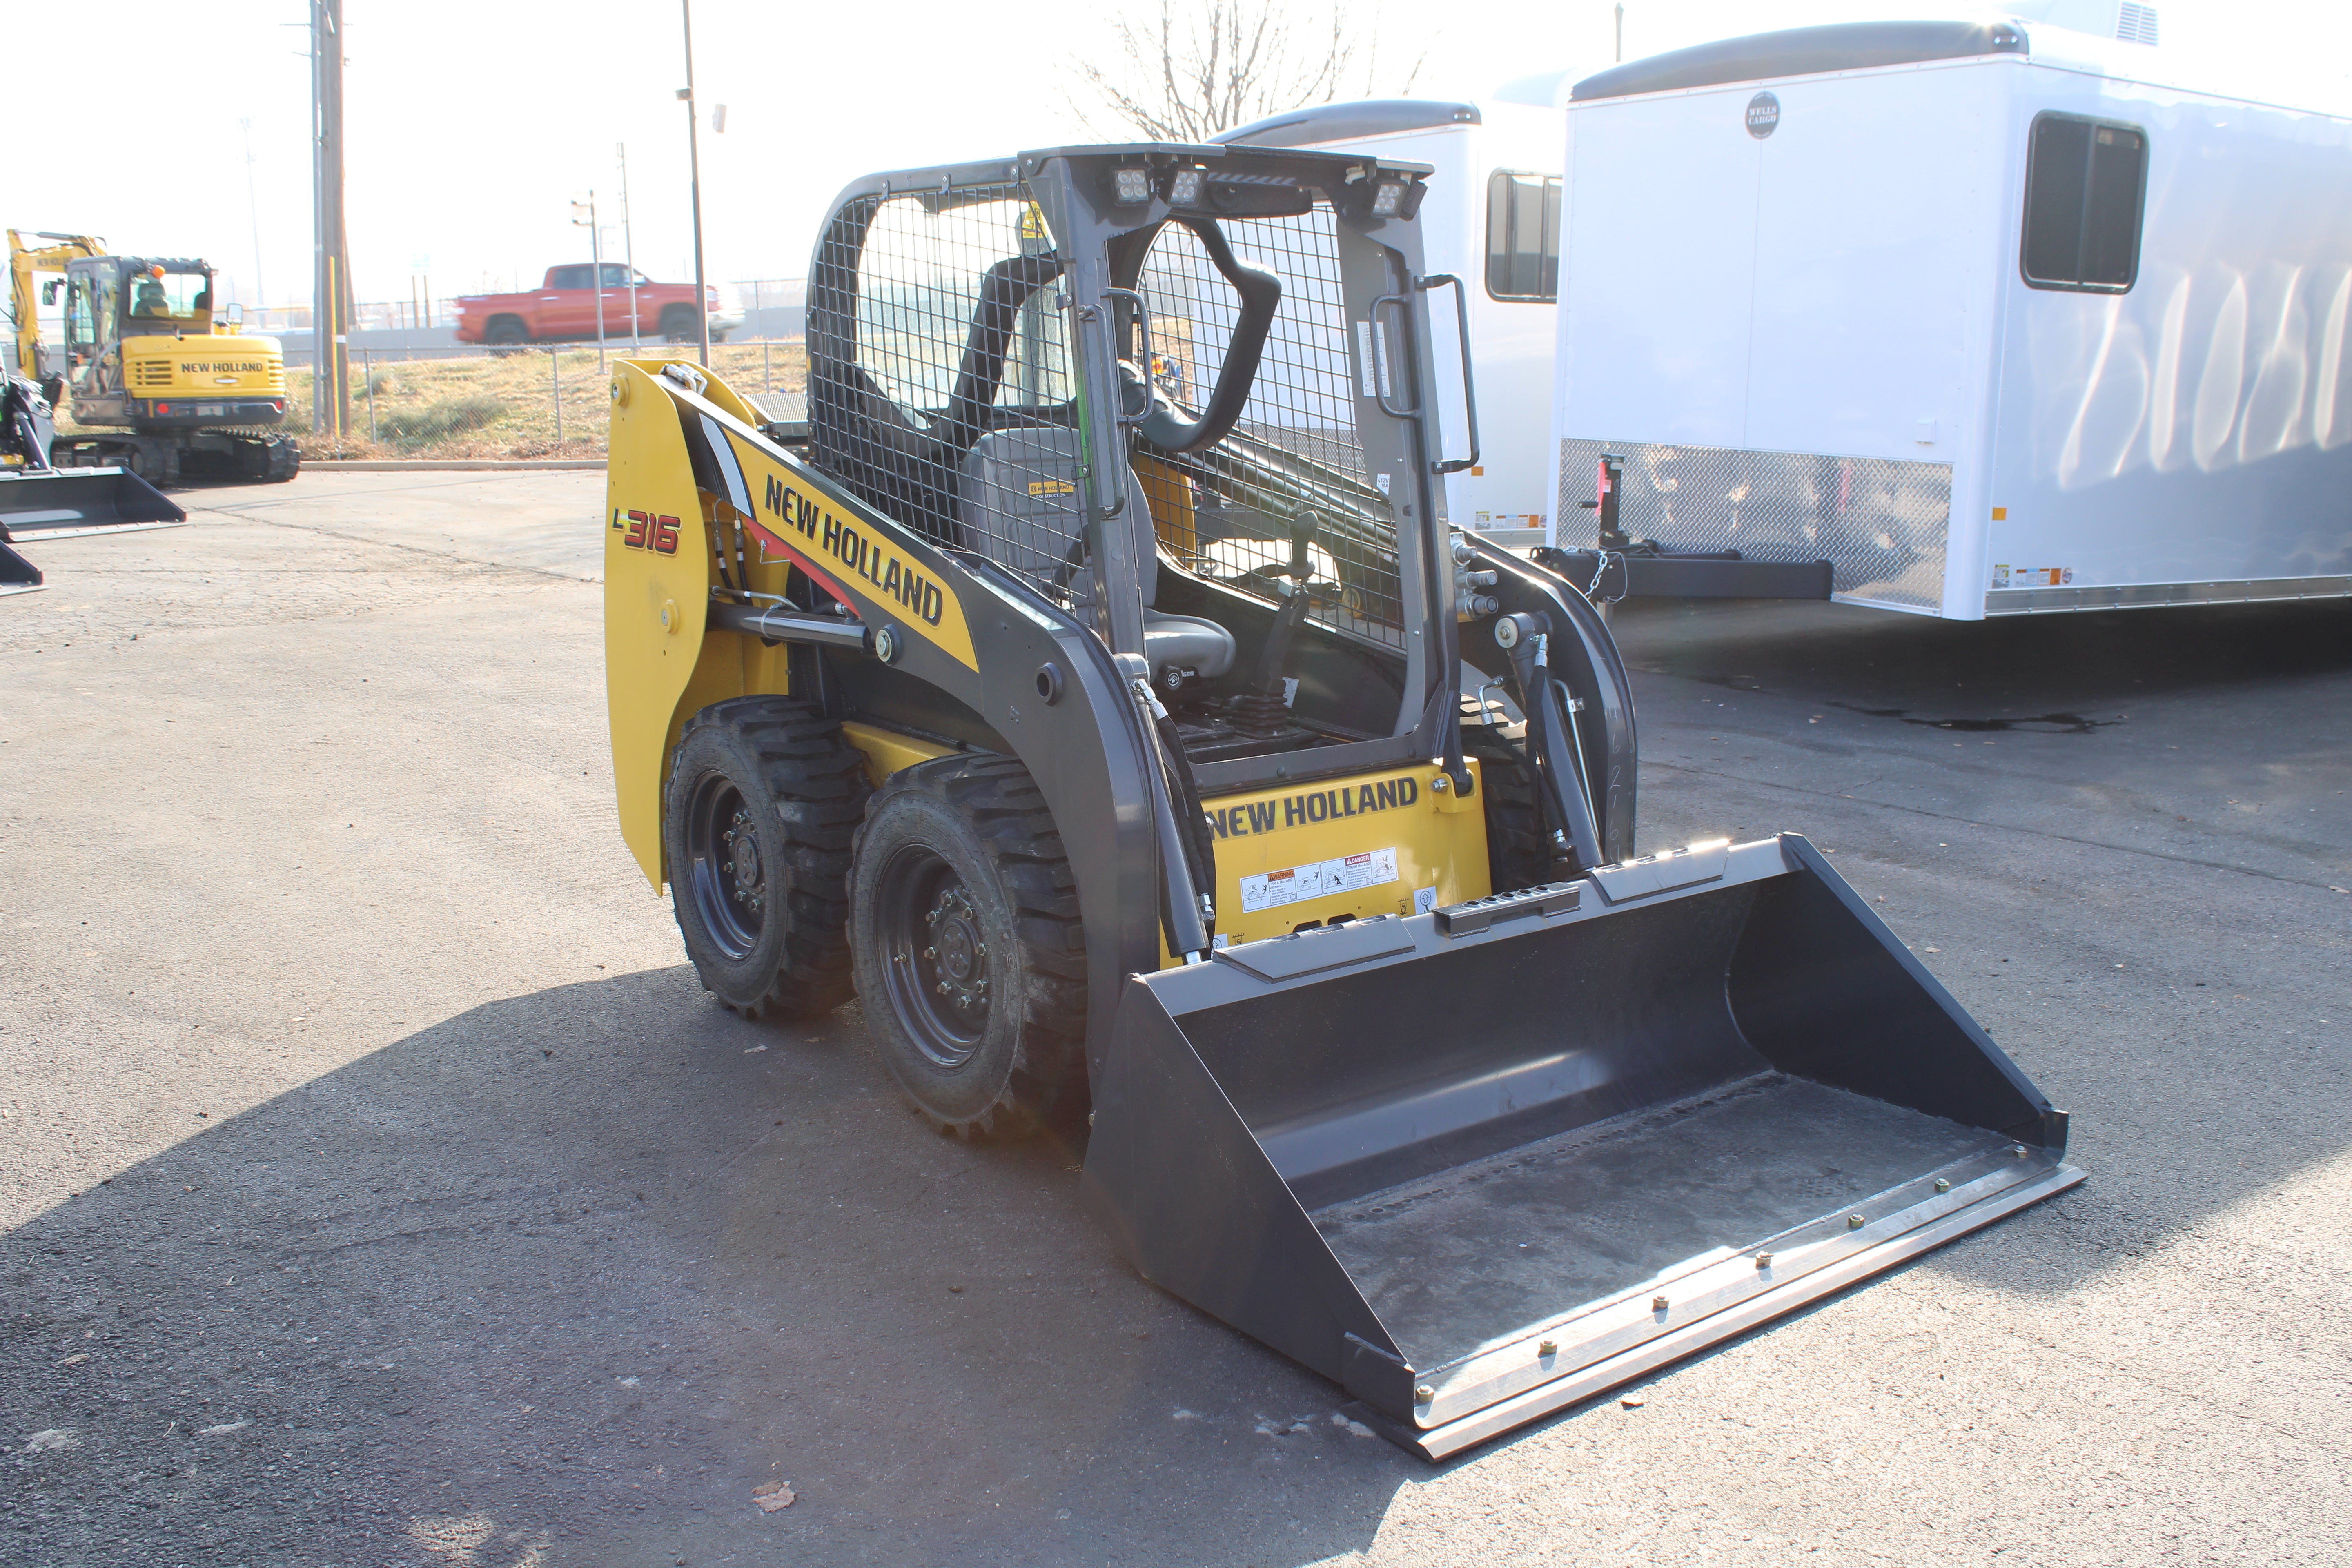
1082 689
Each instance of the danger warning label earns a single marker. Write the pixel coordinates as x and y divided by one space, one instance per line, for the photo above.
1296 885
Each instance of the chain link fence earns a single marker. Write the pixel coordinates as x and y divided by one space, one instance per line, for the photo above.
540 400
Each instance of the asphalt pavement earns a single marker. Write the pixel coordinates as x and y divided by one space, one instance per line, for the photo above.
380 1187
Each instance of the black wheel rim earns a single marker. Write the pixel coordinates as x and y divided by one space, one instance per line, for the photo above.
729 876
935 955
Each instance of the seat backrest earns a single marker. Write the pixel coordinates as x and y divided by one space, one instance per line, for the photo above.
1019 504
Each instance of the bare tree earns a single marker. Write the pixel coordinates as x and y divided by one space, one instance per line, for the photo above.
1207 66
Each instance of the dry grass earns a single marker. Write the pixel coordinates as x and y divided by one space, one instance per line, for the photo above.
504 405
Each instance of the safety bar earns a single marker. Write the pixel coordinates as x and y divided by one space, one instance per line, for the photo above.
1469 380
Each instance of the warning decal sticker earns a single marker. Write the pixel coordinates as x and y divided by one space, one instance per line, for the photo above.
1272 890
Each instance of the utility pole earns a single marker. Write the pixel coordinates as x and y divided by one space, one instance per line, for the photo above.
595 268
629 250
330 313
694 164
1620 35
253 206
318 327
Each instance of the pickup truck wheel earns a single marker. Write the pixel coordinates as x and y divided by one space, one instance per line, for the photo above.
506 333
680 324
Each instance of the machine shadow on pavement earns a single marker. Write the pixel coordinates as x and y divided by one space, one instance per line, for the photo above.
581 1268
575 1270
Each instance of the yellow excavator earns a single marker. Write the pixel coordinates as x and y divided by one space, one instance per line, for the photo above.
157 380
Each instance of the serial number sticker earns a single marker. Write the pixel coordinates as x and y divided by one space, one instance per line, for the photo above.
1296 884
1052 488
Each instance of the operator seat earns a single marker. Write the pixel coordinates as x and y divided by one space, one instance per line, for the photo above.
1019 505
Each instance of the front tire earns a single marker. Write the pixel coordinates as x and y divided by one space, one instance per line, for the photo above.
970 956
1519 854
762 807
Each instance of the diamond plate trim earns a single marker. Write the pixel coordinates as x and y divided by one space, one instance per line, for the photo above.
1880 523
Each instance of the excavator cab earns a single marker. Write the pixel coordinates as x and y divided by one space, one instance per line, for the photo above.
114 305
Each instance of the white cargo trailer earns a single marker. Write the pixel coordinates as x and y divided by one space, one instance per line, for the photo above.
1492 219
1992 317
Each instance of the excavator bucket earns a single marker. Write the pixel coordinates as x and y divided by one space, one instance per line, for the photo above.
63 504
1479 1164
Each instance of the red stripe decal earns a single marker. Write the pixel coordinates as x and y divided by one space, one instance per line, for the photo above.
823 579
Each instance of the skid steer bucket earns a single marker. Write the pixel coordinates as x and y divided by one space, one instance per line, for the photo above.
63 504
59 503
1478 1164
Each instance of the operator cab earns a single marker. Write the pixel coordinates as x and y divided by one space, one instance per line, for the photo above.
111 298
1253 513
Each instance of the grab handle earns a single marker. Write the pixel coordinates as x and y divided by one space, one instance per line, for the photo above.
1143 329
1469 380
1377 347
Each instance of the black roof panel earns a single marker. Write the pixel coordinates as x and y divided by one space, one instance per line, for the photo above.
1803 51
1341 121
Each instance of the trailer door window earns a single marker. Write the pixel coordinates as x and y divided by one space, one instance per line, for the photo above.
2085 183
1523 235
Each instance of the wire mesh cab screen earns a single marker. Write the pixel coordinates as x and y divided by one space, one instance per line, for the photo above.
943 390
1296 446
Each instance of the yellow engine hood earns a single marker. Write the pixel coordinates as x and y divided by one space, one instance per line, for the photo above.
202 365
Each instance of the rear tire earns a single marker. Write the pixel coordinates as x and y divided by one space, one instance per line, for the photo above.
680 324
1519 854
506 333
971 958
762 807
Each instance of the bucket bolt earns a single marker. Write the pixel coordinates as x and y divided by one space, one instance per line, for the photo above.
2019 1150
1943 1184
1856 1222
1763 1260
1549 1349
1658 1303
1423 1395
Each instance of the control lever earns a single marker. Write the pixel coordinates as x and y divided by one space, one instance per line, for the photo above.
1262 712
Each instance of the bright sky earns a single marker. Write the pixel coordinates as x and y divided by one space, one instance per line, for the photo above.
471 128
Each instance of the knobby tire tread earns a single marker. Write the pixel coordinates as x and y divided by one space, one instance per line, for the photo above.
997 797
1518 852
816 782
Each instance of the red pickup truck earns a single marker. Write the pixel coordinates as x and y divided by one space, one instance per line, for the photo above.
565 307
